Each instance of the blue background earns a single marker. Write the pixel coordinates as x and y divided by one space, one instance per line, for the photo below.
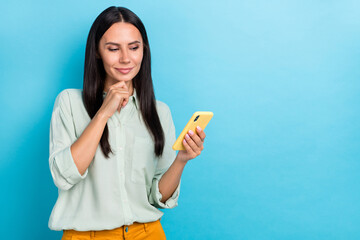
281 159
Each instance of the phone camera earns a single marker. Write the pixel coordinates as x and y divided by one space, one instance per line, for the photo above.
196 118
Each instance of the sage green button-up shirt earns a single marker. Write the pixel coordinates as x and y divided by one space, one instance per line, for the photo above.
112 192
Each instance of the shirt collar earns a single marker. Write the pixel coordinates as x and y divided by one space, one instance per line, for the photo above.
132 98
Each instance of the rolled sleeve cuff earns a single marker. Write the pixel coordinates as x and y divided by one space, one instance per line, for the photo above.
157 196
67 168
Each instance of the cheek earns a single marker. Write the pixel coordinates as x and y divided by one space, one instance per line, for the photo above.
109 60
138 58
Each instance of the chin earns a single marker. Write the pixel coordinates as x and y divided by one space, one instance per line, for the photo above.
124 79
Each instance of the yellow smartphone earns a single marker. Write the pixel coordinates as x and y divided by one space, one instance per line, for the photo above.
200 119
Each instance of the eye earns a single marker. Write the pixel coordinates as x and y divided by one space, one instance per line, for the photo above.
134 48
113 49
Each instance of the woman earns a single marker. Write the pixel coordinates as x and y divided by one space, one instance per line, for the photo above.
111 143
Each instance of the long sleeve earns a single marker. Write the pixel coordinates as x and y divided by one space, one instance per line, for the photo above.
114 191
164 163
62 134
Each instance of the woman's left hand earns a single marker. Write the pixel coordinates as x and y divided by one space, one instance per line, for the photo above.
193 143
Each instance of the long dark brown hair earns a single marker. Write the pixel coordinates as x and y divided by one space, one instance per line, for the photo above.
94 77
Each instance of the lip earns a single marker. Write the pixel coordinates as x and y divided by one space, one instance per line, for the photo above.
124 70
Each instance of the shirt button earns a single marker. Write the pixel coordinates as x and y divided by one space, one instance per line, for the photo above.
126 229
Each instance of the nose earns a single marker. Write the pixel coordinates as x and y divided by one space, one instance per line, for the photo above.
124 58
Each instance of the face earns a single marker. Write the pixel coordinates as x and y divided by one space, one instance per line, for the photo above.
121 50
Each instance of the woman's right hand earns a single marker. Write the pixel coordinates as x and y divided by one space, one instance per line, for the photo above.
116 98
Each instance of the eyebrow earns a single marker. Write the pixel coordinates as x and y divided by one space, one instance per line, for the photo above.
117 44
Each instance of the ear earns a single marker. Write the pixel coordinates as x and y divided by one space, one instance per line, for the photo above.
98 55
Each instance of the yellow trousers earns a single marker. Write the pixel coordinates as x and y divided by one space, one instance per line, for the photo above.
136 231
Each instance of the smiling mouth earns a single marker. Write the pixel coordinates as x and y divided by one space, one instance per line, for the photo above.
124 70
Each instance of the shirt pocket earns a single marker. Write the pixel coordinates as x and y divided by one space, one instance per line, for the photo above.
143 162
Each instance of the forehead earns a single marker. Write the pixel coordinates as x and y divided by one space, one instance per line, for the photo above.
121 32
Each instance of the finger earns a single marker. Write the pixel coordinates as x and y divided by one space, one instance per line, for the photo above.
121 93
117 98
120 84
125 101
125 86
195 138
118 93
188 149
192 144
124 98
116 89
201 133
124 93
121 105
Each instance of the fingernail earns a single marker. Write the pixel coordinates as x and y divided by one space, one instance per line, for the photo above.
198 128
191 132
187 136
